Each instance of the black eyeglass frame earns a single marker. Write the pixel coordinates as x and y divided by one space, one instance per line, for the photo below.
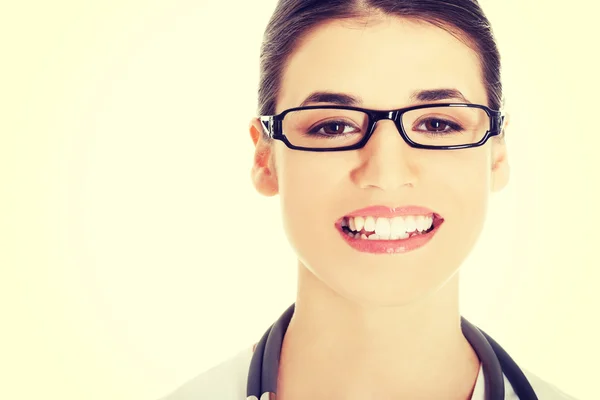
273 125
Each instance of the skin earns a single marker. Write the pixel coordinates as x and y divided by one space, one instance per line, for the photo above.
372 326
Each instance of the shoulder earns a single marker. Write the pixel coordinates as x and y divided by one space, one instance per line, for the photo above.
225 381
545 390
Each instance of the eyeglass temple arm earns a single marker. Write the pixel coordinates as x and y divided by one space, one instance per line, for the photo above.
267 123
498 122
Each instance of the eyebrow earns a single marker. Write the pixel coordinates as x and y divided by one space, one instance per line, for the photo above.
341 99
344 99
438 94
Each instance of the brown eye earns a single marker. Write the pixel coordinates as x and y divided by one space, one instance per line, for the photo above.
334 128
435 125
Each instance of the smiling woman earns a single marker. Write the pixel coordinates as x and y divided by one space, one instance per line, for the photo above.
391 111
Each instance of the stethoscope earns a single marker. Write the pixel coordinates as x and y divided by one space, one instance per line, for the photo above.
264 366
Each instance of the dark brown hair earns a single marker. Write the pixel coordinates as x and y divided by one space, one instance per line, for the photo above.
293 19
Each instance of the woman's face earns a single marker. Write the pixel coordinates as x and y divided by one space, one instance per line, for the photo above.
383 64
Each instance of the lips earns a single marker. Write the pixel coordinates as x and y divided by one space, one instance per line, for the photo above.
390 212
381 229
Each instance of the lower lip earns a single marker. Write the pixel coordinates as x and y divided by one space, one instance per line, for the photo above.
390 246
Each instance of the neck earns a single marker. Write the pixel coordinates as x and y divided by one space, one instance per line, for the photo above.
337 348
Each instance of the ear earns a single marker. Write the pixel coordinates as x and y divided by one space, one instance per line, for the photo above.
500 166
263 172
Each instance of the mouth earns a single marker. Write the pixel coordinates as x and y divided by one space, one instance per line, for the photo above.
396 228
385 230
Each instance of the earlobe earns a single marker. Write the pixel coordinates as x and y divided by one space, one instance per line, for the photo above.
263 173
500 173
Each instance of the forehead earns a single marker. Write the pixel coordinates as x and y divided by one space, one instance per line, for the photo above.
382 63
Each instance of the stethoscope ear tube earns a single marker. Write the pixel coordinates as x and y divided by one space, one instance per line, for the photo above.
492 370
513 373
253 387
264 366
270 365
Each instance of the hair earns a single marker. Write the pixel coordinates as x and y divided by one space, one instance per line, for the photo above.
294 19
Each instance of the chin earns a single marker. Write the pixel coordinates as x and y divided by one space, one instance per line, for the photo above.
387 282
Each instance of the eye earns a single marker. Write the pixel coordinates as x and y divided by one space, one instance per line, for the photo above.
437 125
333 128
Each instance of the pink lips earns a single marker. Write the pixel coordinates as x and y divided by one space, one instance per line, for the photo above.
387 212
391 246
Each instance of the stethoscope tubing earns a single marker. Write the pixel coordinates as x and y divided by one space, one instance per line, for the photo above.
264 366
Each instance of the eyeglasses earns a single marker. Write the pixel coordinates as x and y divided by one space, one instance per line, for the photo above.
431 126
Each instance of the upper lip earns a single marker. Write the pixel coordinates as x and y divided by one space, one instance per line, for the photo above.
390 212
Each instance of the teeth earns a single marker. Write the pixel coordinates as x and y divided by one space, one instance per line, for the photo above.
359 223
382 227
369 224
428 221
403 236
396 228
421 223
410 223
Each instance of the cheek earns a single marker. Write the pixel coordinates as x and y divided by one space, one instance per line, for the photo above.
308 188
308 178
463 184
296 172
467 178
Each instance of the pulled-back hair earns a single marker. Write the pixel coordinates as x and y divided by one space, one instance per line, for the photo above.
293 19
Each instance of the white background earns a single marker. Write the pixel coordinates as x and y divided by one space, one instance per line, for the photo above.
134 252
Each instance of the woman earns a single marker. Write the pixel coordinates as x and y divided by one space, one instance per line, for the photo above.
382 132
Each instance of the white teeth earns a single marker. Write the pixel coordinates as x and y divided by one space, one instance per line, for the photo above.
382 227
420 220
359 223
410 223
369 224
424 222
397 226
428 221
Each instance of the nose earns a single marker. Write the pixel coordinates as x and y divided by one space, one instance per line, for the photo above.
387 161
